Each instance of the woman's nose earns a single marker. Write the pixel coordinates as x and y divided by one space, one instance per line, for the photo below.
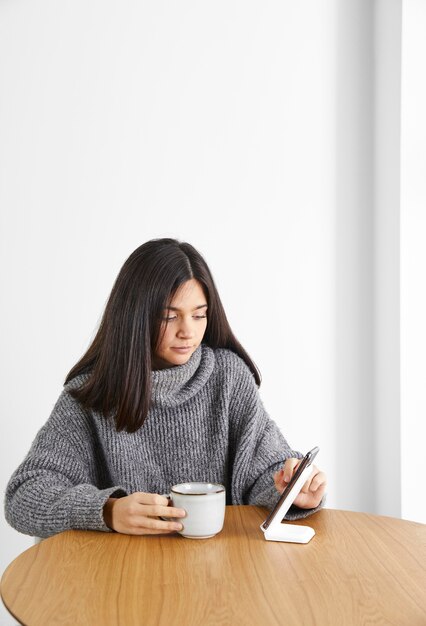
185 329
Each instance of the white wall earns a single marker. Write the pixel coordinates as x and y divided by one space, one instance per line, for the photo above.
209 122
413 260
244 128
386 256
353 289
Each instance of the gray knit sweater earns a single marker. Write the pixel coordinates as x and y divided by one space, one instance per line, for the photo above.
207 423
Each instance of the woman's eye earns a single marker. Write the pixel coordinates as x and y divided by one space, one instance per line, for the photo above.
172 318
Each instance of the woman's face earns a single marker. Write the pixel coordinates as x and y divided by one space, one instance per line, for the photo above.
183 327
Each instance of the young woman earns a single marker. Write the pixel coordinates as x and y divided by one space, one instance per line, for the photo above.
165 394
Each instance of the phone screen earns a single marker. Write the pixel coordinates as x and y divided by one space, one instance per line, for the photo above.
304 463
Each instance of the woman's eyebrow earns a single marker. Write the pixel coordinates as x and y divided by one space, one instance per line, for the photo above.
174 308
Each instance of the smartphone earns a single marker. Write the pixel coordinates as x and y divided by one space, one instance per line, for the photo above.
290 492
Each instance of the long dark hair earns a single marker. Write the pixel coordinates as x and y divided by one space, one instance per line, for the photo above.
119 360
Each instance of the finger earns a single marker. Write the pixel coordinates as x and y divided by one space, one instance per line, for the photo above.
163 511
315 479
153 523
158 505
319 493
279 481
318 481
309 500
307 486
279 475
150 498
145 531
289 467
158 532
313 499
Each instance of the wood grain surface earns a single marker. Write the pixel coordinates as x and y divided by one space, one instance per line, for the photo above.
358 569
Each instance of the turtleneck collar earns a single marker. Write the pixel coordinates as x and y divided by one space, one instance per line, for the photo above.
175 385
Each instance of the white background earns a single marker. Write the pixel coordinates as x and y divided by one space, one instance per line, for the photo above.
413 261
266 134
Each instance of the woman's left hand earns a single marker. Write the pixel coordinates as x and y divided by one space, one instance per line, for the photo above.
312 491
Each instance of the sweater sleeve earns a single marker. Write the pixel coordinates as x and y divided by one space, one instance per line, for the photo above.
258 449
53 489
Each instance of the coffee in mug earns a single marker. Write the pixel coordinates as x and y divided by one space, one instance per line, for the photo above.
204 504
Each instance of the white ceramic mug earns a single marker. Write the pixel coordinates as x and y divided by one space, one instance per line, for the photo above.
204 504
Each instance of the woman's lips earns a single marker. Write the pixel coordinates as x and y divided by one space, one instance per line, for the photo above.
182 350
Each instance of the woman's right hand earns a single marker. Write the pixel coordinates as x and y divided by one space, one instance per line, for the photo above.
138 514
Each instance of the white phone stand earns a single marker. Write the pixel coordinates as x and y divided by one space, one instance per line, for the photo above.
279 531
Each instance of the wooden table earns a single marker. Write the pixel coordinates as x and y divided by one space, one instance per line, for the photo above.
358 569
